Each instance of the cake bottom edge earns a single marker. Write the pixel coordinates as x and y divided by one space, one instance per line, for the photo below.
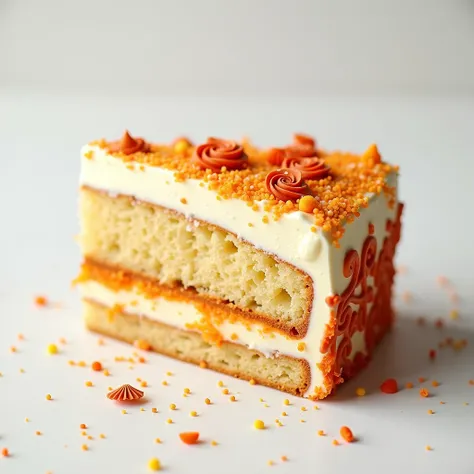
284 373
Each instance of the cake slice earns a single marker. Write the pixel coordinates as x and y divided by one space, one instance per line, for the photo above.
270 265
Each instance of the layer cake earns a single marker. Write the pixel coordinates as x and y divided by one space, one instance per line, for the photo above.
272 265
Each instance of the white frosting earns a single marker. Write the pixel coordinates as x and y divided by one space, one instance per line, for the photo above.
290 239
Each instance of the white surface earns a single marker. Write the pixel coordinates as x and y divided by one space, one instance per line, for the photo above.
41 138
258 47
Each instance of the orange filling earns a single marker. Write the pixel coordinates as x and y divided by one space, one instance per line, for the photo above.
213 314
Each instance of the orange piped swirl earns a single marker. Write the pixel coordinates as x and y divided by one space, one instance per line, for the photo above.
310 167
286 184
129 145
216 153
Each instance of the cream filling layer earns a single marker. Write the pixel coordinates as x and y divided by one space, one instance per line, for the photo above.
290 238
182 314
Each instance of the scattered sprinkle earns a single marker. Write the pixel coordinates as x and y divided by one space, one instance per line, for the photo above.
88 383
106 372
283 413
84 447
389 386
335 442
214 443
432 354
154 464
142 344
5 452
83 426
27 420
232 398
189 437
252 382
220 383
454 314
284 458
41 301
154 410
424 393
187 391
408 385
429 448
164 383
346 434
102 436
207 401
124 412
321 433
421 379
435 383
38 433
169 421
225 391
157 440
81 363
172 406
270 462
12 349
203 364
193 413
431 412
48 396
286 401
360 392
97 366
259 425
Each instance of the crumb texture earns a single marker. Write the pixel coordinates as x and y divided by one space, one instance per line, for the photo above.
284 373
163 245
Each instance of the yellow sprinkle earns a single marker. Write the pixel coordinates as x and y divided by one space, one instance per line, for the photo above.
303 408
88 383
429 448
27 420
270 462
430 412
90 437
164 382
106 372
454 314
109 389
22 371
283 413
102 436
225 391
169 420
220 383
154 410
302 421
49 397
187 391
81 363
157 440
232 399
301 346
266 405
207 401
321 433
142 409
154 464
286 401
213 443
169 374
71 362
360 392
335 442
83 433
124 412
261 400
259 424
315 407
172 406
252 382
84 447
52 349
193 413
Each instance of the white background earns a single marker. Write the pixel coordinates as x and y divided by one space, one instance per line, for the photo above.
351 73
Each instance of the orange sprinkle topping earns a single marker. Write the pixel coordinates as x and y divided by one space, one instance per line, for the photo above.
97 366
183 200
189 437
430 412
88 383
335 442
338 197
424 392
84 447
301 346
5 452
284 458
41 301
346 434
408 385
225 391
321 433
207 401
435 383
252 382
154 410
371 229
83 426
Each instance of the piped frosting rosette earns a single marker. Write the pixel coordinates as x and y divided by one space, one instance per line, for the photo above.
129 145
286 184
217 153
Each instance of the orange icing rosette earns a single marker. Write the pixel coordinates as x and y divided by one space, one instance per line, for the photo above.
129 145
216 153
286 184
310 167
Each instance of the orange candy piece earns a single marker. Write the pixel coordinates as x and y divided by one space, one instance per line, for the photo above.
346 434
189 437
389 386
125 393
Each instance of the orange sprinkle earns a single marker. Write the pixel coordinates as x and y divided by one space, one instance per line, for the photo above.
41 301
81 363
142 344
106 372
203 364
471 382
48 397
389 386
232 399
84 447
88 383
408 385
435 383
424 393
429 448
141 360
189 437
407 296
225 391
172 406
12 349
154 410
214 443
252 382
71 362
83 426
144 383
5 452
158 440
21 337
421 379
102 436
442 403
346 434
38 433
335 442
430 412
284 458
301 346
97 366
321 433
62 340
307 204
207 401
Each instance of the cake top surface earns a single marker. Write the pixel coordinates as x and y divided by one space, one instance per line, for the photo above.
332 186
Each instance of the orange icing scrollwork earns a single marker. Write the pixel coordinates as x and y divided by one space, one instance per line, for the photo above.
129 145
286 184
216 153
